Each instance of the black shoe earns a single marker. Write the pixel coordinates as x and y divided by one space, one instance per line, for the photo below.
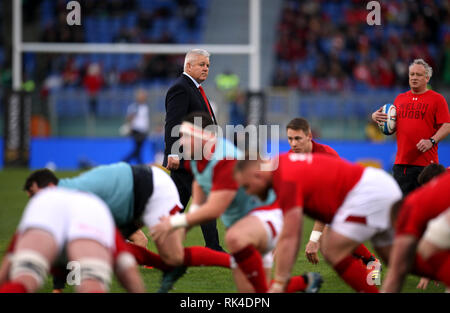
169 278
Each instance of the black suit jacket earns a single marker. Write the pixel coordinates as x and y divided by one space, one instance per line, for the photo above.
182 98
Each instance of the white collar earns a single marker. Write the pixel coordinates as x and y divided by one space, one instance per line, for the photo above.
195 82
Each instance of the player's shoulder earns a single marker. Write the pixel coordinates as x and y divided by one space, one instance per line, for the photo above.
223 175
438 184
323 148
225 165
436 95
287 161
416 202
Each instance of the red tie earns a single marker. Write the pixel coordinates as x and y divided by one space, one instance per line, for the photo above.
206 101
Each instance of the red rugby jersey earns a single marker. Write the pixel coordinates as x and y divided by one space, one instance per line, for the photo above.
321 148
422 205
318 183
418 117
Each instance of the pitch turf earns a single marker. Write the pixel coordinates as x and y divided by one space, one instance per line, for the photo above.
197 279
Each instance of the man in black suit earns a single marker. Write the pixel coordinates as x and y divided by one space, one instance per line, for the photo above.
186 95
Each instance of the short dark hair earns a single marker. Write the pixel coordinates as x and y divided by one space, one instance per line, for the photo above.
205 118
299 123
429 172
42 178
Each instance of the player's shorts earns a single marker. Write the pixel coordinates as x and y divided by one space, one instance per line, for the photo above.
438 231
164 200
365 213
69 215
272 220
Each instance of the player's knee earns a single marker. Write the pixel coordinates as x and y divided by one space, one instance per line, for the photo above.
328 251
234 241
267 261
173 258
97 270
29 263
125 261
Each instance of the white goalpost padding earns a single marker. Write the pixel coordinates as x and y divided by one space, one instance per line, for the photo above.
252 49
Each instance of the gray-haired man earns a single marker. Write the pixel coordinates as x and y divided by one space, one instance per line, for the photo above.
423 120
185 96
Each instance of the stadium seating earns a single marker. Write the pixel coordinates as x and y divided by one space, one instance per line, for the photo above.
322 70
317 36
155 21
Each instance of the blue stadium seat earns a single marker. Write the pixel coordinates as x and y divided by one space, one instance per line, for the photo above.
304 108
30 63
131 20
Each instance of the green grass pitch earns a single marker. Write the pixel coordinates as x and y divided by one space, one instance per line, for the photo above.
197 279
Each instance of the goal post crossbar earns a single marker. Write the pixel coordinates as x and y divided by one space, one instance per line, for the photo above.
252 49
132 48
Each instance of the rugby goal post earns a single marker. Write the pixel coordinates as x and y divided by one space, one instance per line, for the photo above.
255 103
252 49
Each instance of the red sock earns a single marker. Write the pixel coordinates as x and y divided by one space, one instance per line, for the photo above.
296 283
354 274
12 287
362 252
440 263
250 262
202 256
146 257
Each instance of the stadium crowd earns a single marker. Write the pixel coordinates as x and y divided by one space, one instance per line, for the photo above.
328 45
115 21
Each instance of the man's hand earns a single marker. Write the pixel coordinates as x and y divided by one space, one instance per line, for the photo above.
311 252
423 283
161 231
173 163
424 145
379 117
139 238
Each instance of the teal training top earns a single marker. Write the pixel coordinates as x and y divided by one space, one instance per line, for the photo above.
113 184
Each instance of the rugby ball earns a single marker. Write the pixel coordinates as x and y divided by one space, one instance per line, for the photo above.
390 126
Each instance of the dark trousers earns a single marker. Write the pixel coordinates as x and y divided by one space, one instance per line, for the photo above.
183 181
139 139
93 103
406 177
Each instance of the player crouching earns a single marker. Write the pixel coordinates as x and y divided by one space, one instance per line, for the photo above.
60 224
423 224
355 201
253 226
